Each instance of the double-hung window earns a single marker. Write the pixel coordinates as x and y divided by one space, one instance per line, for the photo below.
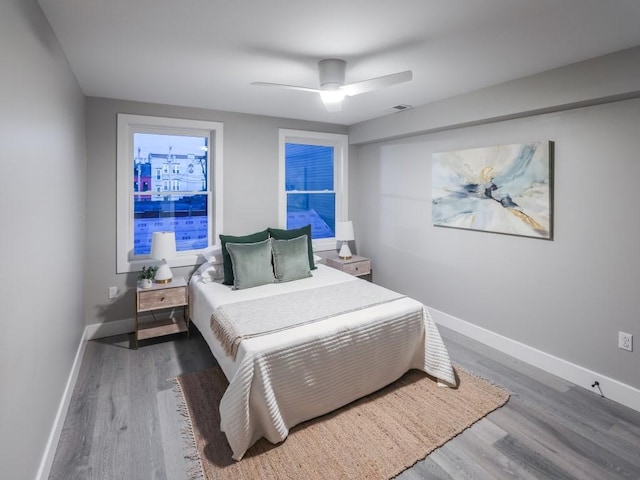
313 183
169 178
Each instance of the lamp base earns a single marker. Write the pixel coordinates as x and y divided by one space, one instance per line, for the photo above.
345 251
163 275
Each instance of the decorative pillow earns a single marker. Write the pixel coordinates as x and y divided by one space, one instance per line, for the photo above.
291 259
228 267
279 234
209 272
251 263
213 254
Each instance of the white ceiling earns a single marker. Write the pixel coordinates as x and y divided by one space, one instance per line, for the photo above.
205 53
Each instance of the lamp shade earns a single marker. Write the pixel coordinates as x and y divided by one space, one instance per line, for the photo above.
344 231
163 247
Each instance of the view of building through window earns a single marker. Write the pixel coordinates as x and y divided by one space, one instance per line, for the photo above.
170 189
309 186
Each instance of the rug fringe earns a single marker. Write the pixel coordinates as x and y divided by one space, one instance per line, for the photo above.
195 473
195 470
490 382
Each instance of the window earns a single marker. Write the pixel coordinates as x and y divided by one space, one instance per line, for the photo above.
313 183
190 204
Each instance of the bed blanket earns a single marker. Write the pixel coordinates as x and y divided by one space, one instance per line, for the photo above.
235 322
274 390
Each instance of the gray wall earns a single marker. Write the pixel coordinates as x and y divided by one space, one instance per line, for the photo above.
567 297
250 189
598 80
43 229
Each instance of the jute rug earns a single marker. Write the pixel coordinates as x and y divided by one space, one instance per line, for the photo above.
376 437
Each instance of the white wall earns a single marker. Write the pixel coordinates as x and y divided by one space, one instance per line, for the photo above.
42 217
568 297
250 190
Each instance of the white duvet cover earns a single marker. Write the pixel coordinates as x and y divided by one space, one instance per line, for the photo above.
281 379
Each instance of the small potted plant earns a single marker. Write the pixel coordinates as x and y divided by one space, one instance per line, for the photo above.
146 276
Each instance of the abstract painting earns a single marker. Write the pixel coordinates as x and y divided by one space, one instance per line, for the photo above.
502 189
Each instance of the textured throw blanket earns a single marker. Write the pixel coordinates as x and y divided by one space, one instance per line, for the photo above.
234 322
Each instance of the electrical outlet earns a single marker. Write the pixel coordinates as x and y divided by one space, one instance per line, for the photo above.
625 341
113 293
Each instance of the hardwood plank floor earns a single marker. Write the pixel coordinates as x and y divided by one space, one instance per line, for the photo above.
123 422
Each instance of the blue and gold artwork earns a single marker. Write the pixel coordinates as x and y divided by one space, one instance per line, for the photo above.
502 189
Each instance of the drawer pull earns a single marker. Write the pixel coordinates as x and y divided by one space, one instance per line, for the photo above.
162 299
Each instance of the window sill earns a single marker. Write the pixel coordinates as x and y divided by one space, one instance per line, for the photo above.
187 260
324 244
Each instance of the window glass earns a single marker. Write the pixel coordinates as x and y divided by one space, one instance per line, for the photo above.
317 209
185 214
313 182
309 168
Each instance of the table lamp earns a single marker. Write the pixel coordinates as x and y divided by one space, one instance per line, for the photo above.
163 247
344 233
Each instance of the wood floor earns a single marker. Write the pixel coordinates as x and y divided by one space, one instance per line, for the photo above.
122 421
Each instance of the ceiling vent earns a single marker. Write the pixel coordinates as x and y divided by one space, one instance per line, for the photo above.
398 108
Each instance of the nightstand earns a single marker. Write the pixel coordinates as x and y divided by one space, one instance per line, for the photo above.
356 265
160 298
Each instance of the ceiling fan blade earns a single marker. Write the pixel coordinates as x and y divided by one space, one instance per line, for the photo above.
289 87
376 83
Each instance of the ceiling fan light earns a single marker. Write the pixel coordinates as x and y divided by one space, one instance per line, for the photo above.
332 96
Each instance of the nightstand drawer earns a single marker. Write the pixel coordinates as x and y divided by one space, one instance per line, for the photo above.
357 268
356 265
165 298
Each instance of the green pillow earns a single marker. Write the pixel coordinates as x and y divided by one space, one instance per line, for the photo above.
291 259
279 234
251 263
226 258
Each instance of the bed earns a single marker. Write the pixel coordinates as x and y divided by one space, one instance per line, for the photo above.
280 379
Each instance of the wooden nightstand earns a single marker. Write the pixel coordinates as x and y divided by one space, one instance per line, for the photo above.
356 265
158 298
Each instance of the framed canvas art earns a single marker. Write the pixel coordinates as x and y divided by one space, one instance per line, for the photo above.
503 189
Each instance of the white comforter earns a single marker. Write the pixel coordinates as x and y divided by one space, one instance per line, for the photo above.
282 379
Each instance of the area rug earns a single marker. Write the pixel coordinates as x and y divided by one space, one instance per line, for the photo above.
376 437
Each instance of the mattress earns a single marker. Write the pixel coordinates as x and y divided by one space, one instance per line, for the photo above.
281 379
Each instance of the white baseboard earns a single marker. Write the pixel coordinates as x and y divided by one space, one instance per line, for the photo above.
583 377
97 330
54 437
108 329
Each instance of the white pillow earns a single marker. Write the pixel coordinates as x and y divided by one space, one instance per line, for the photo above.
213 254
209 272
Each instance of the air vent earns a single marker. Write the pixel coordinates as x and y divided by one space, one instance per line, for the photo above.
398 108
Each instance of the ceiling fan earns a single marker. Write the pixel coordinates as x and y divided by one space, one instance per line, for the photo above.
332 88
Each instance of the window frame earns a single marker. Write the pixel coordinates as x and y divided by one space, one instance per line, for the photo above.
127 126
340 144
